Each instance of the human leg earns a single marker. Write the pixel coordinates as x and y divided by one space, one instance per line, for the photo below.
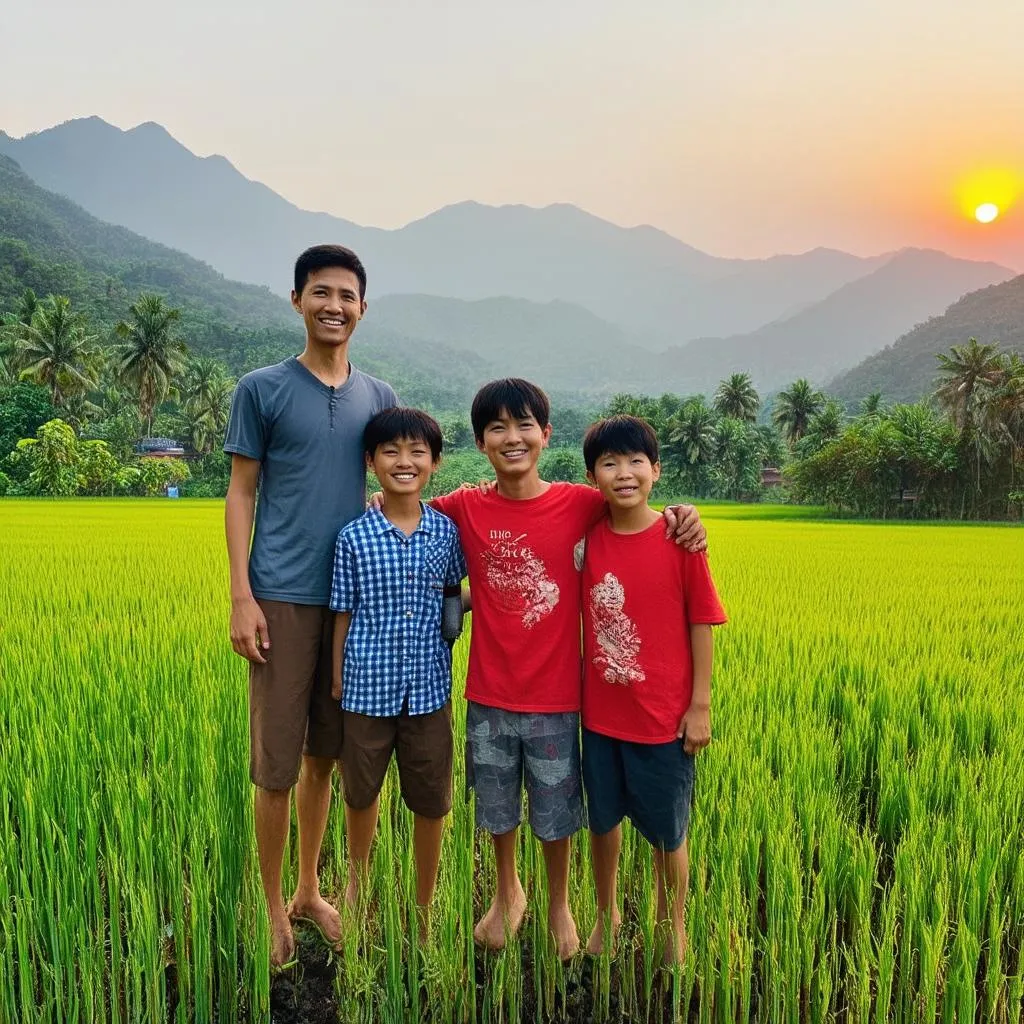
560 920
659 782
423 749
673 872
494 769
507 909
604 787
552 774
279 695
365 754
271 816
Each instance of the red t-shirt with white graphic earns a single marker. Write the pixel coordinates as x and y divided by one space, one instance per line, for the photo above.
641 592
525 649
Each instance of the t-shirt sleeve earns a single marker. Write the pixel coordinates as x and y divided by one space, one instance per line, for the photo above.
388 398
457 570
343 578
246 432
592 504
449 505
699 593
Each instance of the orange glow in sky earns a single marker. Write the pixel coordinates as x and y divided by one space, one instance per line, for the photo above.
986 194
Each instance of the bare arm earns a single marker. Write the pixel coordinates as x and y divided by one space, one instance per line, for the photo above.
695 725
342 621
467 599
249 632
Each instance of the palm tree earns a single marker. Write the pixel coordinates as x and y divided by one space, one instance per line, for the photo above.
965 389
57 351
691 443
150 355
200 379
965 377
826 425
208 411
795 407
737 398
871 405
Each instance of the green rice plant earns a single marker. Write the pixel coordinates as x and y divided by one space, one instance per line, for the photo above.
857 836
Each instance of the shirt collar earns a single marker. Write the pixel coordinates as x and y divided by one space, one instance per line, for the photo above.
384 525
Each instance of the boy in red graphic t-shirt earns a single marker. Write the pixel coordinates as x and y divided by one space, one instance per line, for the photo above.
523 684
648 609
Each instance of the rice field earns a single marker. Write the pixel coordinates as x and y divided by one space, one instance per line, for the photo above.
857 843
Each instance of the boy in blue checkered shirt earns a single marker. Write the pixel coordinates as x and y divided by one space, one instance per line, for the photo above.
392 666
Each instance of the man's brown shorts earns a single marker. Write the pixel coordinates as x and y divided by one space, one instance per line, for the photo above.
423 748
290 707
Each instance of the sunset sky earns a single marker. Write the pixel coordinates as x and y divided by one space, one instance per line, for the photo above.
742 127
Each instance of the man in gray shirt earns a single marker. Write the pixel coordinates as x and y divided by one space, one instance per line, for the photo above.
295 439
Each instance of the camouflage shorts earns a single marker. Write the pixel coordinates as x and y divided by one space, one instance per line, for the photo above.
507 749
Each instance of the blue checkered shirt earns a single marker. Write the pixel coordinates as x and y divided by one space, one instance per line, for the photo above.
393 585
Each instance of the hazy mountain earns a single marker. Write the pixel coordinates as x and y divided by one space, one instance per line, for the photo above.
854 321
645 281
50 244
905 371
561 345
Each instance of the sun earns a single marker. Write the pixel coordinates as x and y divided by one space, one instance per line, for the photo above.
987 194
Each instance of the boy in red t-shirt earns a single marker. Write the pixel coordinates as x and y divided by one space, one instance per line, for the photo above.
648 609
523 684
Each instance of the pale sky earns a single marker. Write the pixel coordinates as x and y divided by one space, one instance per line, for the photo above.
743 127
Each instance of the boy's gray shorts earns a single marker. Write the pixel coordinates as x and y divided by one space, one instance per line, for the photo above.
505 749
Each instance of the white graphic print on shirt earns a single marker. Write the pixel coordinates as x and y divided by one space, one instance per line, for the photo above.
518 577
618 645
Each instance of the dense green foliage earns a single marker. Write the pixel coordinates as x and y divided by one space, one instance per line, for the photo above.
961 457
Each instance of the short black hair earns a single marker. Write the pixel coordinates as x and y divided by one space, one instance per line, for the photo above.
318 257
619 435
511 395
402 424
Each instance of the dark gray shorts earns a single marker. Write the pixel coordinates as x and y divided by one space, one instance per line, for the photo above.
507 749
650 783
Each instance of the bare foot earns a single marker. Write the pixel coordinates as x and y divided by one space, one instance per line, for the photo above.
563 931
321 914
282 942
596 942
502 919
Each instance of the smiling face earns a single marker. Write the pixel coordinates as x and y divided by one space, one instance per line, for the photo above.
330 306
513 444
403 466
625 481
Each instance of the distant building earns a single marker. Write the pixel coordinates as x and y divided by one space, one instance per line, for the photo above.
771 477
161 448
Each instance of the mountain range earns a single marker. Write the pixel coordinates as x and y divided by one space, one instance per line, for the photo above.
464 294
906 369
650 284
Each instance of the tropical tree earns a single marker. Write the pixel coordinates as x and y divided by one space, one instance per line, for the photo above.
690 448
795 407
150 355
871 405
737 398
825 426
57 351
738 456
12 330
53 460
208 409
966 378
